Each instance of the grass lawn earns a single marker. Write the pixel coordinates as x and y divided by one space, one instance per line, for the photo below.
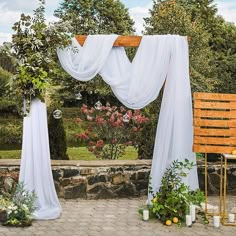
75 153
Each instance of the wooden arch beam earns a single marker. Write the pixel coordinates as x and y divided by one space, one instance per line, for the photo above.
122 41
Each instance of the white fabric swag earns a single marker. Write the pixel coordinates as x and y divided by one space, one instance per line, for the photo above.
159 58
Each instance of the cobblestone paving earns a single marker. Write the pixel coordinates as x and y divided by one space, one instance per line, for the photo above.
117 217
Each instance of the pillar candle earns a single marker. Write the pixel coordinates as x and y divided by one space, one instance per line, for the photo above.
216 221
231 218
193 212
145 215
188 220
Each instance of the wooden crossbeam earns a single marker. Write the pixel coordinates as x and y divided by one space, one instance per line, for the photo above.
122 41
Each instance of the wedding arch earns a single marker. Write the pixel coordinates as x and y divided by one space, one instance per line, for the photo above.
159 59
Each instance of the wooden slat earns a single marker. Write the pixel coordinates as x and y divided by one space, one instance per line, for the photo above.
210 140
215 96
215 105
214 123
212 149
122 41
215 132
212 113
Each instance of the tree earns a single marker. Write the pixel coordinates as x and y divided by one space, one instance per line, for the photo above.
93 17
169 17
221 41
96 16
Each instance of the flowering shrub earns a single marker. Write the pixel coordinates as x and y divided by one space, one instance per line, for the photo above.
111 129
18 209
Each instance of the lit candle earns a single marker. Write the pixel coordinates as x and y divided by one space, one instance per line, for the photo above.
193 213
188 220
231 218
145 215
216 221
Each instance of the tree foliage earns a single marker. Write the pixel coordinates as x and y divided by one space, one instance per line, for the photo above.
169 17
221 41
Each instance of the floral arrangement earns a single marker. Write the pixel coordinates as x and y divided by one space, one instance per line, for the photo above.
17 209
110 129
172 202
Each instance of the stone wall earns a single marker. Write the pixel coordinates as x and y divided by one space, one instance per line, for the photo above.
108 179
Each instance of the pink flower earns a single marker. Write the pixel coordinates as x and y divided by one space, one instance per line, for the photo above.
135 129
112 119
91 143
122 109
100 143
84 136
84 109
114 108
129 113
89 118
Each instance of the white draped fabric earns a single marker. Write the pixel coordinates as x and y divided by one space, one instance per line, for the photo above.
35 169
136 84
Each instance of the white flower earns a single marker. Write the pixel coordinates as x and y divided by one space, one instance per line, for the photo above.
15 212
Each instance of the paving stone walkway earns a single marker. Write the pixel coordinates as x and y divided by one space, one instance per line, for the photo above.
116 217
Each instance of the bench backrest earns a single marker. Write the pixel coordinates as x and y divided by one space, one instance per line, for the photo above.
214 123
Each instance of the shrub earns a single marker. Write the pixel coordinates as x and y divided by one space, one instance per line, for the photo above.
57 138
111 129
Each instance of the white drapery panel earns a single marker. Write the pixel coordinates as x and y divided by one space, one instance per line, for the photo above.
35 169
136 84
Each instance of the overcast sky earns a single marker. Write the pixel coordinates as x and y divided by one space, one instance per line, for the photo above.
10 11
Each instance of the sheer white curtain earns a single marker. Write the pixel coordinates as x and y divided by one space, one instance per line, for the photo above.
35 169
136 84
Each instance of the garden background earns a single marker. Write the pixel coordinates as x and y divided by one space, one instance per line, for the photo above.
212 69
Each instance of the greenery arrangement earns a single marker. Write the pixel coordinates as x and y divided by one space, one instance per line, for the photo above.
34 46
172 201
111 129
17 209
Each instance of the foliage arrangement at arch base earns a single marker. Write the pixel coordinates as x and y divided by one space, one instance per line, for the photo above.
172 202
110 129
17 208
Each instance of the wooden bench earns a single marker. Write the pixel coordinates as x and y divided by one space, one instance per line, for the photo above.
215 132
